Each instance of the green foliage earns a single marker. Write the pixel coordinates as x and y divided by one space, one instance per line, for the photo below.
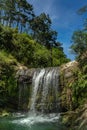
79 38
6 58
79 88
16 48
79 45
41 57
26 51
6 38
16 13
20 14
8 85
58 57
42 32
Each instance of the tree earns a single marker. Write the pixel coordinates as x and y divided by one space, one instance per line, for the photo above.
16 13
25 14
40 26
43 33
79 38
79 42
82 10
79 46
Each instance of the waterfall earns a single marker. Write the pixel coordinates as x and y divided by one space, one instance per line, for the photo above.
38 76
45 90
39 94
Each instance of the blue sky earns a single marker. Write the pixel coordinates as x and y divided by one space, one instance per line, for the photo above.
64 18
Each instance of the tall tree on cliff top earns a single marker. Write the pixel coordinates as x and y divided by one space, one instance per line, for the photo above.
43 33
79 39
16 13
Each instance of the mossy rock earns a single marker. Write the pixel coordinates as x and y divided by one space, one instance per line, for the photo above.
65 119
5 113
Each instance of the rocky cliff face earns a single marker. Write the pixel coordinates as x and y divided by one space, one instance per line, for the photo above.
66 79
24 81
39 87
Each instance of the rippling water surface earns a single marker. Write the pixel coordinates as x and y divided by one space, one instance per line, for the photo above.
31 122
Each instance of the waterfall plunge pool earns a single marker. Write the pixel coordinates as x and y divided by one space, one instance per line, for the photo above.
45 91
31 122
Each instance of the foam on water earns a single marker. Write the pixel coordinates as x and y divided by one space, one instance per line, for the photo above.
33 119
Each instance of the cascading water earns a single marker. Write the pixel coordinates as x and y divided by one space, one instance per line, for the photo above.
37 78
45 90
44 103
